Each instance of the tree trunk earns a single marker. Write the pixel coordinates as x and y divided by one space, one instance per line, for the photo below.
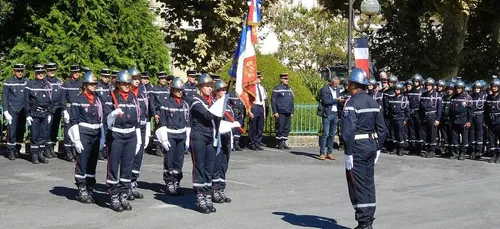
454 31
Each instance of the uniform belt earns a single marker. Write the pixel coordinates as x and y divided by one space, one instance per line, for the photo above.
179 131
478 112
430 112
365 136
91 126
143 122
123 131
415 109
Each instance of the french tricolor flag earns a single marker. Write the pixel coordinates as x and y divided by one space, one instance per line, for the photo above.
362 54
254 17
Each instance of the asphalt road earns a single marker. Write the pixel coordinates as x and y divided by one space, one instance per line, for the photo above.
269 189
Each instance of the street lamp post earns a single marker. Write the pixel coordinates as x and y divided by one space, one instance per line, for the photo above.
368 8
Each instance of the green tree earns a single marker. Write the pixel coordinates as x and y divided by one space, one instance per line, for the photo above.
214 43
309 39
95 33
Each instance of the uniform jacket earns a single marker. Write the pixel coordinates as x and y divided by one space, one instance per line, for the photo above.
388 94
445 114
282 100
175 116
57 92
13 99
377 95
478 100
189 91
238 106
460 109
103 91
430 106
82 111
414 100
327 100
130 108
70 88
38 98
202 121
492 110
142 98
399 108
160 94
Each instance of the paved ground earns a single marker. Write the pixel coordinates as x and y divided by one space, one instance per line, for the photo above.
270 189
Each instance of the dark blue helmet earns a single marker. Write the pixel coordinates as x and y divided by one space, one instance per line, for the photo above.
430 81
134 72
478 84
358 75
124 77
177 83
408 82
417 77
460 84
89 78
441 83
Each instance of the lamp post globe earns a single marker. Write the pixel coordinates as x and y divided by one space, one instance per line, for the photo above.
370 7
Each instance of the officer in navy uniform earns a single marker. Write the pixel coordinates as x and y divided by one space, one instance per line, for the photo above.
141 95
145 81
174 134
364 132
478 97
445 124
239 116
399 112
14 110
190 90
415 139
388 93
39 107
492 120
460 117
70 88
160 94
55 84
282 103
257 115
430 115
374 92
103 92
223 150
114 74
124 141
86 117
343 97
203 131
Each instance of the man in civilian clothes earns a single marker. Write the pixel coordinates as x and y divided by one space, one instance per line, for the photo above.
329 97
257 115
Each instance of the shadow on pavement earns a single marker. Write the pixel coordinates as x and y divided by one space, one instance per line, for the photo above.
101 196
307 154
309 221
186 201
155 187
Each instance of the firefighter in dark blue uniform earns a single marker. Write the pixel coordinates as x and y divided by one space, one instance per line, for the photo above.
415 139
124 141
492 120
374 92
445 125
239 115
388 93
460 117
399 112
203 142
364 132
282 103
70 89
103 92
223 150
430 115
14 110
190 90
174 133
160 94
114 74
478 97
141 95
58 107
86 117
145 81
257 115
39 107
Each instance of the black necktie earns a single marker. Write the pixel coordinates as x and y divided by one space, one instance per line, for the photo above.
260 95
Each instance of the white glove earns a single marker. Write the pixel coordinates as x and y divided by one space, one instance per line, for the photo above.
148 134
349 162
66 116
8 117
217 107
112 116
29 120
139 140
162 135
49 119
188 138
376 158
78 147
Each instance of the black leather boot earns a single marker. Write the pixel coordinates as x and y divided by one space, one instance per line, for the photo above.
42 158
210 204
47 153
285 145
135 191
461 155
494 157
201 205
224 197
12 154
100 155
124 202
216 198
115 204
280 144
170 189
69 155
34 157
84 196
237 145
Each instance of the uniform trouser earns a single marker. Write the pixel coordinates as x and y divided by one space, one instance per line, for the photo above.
120 161
203 156
446 134
389 140
283 128
16 130
414 130
39 133
221 164
68 144
476 133
86 161
237 131
429 134
486 137
493 137
136 167
460 137
173 160
256 125
361 185
397 130
54 127
330 124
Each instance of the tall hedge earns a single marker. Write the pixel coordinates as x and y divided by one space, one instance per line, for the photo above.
271 68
